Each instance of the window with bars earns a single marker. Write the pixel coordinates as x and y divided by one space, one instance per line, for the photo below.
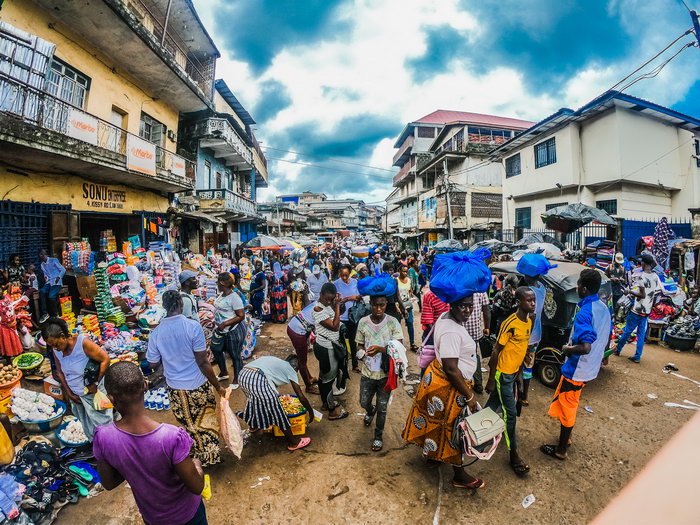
486 205
513 165
545 153
67 84
553 205
523 217
609 206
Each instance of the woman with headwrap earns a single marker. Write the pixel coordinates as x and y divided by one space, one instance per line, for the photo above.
278 294
178 345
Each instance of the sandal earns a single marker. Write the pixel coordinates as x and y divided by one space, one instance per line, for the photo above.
551 450
474 485
520 469
377 445
343 414
313 380
368 418
303 442
313 389
525 402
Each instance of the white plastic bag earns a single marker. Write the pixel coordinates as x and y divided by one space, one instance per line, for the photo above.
230 429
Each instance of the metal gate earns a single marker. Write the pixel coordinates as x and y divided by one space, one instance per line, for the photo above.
24 229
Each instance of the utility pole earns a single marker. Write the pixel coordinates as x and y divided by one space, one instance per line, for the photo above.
279 224
696 24
446 182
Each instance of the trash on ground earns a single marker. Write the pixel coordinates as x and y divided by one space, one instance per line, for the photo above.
260 482
588 409
652 396
688 402
528 500
677 405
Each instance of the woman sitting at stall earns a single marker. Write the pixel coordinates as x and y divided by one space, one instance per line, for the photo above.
259 381
72 354
178 344
230 331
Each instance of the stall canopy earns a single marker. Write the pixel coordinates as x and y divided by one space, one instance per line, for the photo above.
448 245
201 216
493 245
570 217
263 242
538 237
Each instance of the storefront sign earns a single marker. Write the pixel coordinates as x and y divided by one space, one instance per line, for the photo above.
82 126
140 155
178 165
103 197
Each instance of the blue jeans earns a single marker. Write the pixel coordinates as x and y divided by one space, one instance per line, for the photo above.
257 301
48 295
409 326
200 518
503 400
640 323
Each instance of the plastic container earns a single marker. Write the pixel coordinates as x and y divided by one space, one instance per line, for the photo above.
7 388
298 424
681 343
68 443
39 359
47 424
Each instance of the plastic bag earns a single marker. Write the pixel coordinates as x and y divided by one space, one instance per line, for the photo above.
381 285
460 274
229 427
534 264
101 401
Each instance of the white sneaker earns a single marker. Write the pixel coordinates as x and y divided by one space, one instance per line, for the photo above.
222 378
234 386
43 318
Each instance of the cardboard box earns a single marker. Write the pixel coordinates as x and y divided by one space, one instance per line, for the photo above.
53 388
87 286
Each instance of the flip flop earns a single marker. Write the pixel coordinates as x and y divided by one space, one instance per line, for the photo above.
343 414
520 469
474 485
551 450
303 442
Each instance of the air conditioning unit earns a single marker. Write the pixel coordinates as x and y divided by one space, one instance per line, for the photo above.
172 136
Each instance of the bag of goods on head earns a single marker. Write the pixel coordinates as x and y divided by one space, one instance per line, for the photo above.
459 274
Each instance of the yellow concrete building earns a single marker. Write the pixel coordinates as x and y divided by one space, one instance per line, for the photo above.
91 94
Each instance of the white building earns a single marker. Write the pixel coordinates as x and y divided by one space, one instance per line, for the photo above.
631 157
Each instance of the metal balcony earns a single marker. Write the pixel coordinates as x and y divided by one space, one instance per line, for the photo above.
225 202
38 130
218 135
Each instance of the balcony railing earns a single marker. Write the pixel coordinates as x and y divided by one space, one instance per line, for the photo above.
48 112
231 201
408 143
221 128
405 170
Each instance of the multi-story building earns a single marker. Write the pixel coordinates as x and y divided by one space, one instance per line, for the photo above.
628 156
91 94
230 166
458 168
392 217
338 214
282 218
302 198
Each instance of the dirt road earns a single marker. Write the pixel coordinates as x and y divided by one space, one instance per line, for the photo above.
338 480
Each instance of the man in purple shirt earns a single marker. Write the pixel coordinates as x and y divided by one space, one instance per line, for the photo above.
152 457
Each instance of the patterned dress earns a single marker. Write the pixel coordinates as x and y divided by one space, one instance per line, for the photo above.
278 299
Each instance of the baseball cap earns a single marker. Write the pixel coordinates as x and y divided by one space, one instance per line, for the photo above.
316 269
187 274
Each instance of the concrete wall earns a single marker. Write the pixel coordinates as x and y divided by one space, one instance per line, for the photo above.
107 88
222 106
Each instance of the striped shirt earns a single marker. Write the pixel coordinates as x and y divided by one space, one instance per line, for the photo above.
475 323
324 336
432 308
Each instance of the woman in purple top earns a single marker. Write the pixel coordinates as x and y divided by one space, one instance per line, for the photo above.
152 457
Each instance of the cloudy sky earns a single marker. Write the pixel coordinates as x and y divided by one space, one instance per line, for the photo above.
338 79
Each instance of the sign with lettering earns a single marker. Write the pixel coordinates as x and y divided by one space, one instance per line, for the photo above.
140 155
82 126
178 165
103 197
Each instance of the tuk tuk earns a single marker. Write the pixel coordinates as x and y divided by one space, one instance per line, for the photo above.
558 313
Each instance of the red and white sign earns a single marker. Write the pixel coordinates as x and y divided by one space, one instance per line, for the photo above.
178 166
82 126
140 155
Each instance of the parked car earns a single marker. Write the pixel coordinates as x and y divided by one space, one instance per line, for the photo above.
557 314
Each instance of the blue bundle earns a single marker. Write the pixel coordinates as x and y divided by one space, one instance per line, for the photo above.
534 264
460 274
381 285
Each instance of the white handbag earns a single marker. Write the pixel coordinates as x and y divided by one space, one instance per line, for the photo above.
481 433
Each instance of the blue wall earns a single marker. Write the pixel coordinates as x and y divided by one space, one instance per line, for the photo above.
632 231
216 165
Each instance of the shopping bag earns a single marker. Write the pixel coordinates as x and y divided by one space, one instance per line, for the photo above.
101 402
229 427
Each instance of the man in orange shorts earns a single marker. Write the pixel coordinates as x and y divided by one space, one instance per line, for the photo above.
590 336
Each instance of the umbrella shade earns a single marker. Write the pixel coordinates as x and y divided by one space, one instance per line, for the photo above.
493 245
288 246
545 248
449 245
538 237
571 217
262 242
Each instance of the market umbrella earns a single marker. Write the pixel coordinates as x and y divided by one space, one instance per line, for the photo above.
262 242
570 217
538 237
287 245
549 250
448 245
493 245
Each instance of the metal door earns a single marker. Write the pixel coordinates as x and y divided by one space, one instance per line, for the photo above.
65 227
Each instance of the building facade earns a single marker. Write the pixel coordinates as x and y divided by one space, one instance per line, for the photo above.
628 156
91 95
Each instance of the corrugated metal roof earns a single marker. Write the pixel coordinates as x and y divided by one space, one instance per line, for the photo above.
443 116
229 97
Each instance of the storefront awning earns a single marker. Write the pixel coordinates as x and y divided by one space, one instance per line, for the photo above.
200 216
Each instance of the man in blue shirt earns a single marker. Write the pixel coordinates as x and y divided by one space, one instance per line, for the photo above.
53 280
590 337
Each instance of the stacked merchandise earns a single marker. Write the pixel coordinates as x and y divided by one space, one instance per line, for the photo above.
70 320
22 315
157 399
151 291
603 252
108 242
78 257
92 325
103 300
171 271
116 267
210 289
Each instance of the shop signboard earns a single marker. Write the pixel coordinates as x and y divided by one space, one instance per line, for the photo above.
178 165
140 155
82 126
104 197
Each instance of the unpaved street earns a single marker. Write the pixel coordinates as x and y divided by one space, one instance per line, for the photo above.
337 479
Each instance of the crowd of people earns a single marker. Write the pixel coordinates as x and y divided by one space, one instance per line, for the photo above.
350 312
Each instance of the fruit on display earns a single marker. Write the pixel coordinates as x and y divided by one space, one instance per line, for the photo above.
291 404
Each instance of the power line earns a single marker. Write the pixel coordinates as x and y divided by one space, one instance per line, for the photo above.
329 158
654 72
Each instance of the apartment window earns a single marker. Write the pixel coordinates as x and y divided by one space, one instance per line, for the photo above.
609 206
554 205
207 175
545 153
513 165
152 130
219 181
67 84
697 152
522 217
426 133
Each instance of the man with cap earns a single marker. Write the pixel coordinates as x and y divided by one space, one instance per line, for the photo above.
315 281
188 283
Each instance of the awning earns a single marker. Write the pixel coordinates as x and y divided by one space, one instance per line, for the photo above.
200 216
406 235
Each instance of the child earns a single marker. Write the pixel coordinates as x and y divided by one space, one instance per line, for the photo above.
152 457
507 358
590 337
32 280
373 335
